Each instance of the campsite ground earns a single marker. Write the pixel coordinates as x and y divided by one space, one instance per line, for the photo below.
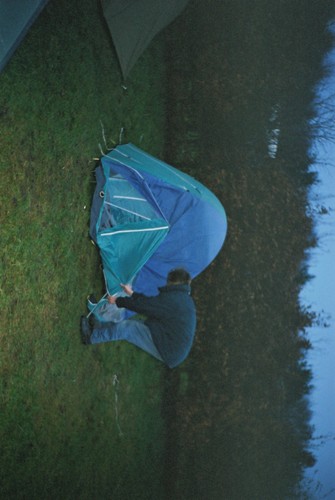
108 421
74 421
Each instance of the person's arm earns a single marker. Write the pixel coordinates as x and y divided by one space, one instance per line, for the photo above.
126 288
136 302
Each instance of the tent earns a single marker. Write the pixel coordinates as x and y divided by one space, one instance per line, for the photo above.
16 17
134 23
147 218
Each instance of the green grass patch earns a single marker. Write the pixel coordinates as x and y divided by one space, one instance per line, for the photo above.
76 421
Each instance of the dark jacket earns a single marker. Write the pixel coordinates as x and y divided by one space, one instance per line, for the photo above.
171 318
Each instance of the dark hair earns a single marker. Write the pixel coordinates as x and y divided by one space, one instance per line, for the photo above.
178 276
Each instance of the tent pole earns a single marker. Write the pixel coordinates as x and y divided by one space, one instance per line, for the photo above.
96 305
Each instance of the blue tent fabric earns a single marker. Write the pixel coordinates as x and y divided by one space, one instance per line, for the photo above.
185 224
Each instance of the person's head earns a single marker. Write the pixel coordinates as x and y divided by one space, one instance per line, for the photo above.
178 277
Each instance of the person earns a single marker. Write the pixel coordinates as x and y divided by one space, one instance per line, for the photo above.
168 330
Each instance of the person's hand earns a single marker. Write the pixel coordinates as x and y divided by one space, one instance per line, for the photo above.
127 289
111 299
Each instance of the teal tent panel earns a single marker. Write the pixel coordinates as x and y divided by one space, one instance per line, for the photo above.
125 249
123 201
138 159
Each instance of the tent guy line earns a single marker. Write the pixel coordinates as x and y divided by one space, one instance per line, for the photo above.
129 198
135 230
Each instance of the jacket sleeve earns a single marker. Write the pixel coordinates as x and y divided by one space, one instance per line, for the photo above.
139 303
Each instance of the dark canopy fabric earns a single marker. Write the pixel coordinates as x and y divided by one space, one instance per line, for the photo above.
16 17
134 23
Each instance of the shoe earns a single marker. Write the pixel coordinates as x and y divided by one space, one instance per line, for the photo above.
85 330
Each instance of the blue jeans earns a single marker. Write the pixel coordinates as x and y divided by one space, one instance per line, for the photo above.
133 331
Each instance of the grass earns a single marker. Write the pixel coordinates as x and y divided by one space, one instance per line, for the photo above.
76 422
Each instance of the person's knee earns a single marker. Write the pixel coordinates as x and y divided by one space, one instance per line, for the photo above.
123 329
